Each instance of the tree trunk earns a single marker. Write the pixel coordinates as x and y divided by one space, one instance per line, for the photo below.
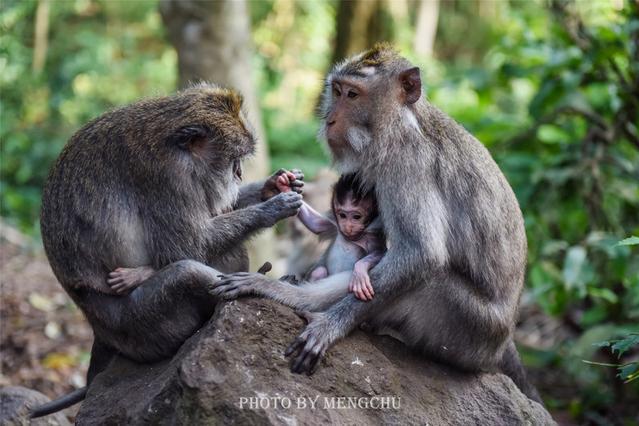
41 36
360 24
212 40
426 27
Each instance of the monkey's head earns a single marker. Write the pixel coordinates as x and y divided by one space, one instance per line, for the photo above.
361 94
197 137
354 206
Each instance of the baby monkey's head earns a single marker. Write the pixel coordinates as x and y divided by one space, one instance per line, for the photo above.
354 208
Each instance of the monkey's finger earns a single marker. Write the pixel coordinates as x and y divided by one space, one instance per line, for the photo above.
312 368
299 362
298 174
119 288
306 356
367 293
114 281
294 347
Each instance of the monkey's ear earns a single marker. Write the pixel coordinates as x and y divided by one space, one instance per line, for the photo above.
188 136
411 84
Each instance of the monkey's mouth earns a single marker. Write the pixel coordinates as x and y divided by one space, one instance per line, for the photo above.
237 169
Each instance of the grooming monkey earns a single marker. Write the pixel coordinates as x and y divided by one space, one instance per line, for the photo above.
155 183
355 230
449 284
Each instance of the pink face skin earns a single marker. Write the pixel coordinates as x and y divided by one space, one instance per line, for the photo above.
352 219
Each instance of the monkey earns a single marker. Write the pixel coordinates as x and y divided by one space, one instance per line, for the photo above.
357 238
155 183
450 282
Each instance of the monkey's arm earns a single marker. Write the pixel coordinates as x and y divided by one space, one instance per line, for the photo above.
360 283
316 222
228 230
259 191
249 195
369 261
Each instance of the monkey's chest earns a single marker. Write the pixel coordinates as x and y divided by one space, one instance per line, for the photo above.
343 255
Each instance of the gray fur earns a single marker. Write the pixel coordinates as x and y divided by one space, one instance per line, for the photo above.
155 184
451 279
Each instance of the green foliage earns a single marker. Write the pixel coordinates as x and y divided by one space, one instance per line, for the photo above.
629 371
555 101
100 54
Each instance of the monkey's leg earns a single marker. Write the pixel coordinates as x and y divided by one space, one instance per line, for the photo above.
101 356
315 296
153 321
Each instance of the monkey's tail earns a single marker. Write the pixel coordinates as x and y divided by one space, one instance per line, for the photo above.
511 366
59 404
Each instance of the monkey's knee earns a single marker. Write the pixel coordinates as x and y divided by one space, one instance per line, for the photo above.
319 273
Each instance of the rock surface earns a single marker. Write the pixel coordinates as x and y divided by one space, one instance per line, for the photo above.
15 403
233 372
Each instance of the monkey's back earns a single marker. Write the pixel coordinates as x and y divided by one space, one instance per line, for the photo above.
98 214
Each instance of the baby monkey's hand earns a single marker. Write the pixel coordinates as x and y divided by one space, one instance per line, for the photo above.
360 284
283 181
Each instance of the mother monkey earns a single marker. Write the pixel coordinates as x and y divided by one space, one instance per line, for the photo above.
450 282
156 183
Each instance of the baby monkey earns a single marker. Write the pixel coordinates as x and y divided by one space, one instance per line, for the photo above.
358 241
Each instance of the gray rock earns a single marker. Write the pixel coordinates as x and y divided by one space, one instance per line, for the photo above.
234 371
15 403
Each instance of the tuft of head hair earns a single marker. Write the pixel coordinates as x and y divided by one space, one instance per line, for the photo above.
350 185
228 99
381 55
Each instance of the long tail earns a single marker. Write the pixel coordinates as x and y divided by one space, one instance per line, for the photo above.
511 366
59 404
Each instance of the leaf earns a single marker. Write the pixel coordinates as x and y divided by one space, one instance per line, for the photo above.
631 241
58 361
629 371
623 345
573 265
41 302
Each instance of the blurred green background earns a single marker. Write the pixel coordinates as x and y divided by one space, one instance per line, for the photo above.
550 87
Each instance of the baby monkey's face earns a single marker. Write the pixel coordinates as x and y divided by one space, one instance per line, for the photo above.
352 218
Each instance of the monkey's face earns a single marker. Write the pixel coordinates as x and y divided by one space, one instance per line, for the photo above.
363 98
352 218
345 125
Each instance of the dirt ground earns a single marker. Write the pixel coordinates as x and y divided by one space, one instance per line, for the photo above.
44 339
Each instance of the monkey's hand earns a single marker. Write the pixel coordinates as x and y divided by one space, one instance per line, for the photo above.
360 284
309 347
232 286
283 181
279 207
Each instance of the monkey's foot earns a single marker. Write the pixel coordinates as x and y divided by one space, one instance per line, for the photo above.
124 280
309 347
232 286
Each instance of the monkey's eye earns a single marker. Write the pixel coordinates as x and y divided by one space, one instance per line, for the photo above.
342 216
351 94
357 217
